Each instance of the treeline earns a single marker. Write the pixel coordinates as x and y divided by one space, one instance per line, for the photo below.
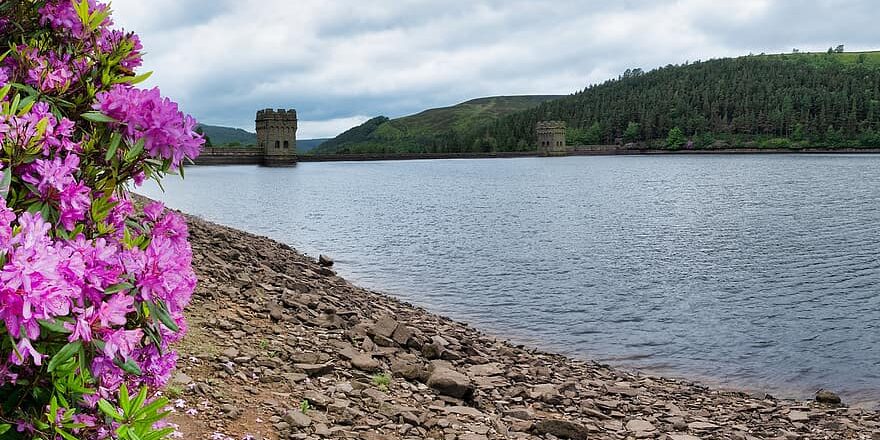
776 101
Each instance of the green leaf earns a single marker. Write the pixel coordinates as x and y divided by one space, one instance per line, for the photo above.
135 151
129 366
5 91
119 287
123 400
109 410
53 326
114 144
5 182
158 310
4 428
97 117
64 354
134 79
138 401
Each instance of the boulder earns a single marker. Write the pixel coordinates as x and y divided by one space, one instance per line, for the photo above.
828 398
325 261
451 383
562 429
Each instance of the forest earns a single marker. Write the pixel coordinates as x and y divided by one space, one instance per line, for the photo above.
779 101
797 100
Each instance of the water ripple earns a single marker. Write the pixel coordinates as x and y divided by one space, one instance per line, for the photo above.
754 271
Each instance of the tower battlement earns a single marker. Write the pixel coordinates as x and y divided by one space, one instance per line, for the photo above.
279 114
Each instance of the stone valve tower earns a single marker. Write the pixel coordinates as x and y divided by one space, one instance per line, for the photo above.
551 138
276 136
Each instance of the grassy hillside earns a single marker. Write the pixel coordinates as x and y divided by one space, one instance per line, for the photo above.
791 100
434 130
236 137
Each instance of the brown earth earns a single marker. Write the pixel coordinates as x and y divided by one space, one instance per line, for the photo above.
280 347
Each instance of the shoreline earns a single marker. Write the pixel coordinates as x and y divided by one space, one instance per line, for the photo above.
250 156
271 328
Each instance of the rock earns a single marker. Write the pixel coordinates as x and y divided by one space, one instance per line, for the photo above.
547 393
314 369
493 369
828 398
432 351
562 429
682 437
384 327
325 261
402 334
519 413
798 416
295 417
181 379
451 383
365 362
638 425
230 353
409 371
702 426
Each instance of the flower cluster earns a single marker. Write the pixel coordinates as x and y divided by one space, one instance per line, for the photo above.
92 291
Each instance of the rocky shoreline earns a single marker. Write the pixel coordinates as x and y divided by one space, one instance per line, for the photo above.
280 347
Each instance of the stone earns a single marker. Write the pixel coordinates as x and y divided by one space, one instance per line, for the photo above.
683 437
295 417
432 351
365 363
547 393
325 261
702 426
402 334
314 369
384 327
493 369
828 398
519 413
181 379
638 425
798 416
451 383
562 429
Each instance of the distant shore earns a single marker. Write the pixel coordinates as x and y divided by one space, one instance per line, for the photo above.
281 347
250 156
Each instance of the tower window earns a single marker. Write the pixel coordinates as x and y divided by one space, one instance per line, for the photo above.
286 145
277 144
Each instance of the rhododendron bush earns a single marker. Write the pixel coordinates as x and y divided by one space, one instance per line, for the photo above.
92 292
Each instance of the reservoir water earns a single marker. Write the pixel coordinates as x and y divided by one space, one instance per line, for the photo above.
752 271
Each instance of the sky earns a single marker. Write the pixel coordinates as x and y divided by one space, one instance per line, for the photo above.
341 62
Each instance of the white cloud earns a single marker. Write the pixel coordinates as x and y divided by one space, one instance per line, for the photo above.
328 128
337 60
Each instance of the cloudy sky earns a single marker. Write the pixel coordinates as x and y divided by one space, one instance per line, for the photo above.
340 62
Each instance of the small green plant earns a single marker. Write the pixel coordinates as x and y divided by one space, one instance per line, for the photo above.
382 381
304 406
173 391
264 344
136 418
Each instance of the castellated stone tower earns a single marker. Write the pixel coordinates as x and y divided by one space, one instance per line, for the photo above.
276 135
551 138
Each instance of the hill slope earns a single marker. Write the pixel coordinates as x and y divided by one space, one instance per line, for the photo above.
434 130
792 100
228 136
222 136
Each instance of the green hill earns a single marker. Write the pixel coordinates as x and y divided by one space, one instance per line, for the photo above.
790 100
434 130
225 136
236 137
